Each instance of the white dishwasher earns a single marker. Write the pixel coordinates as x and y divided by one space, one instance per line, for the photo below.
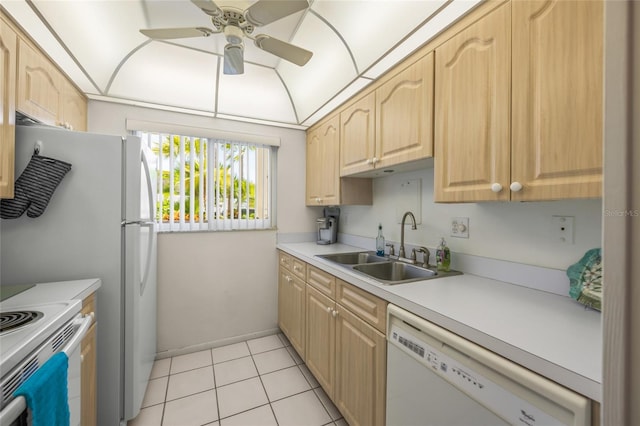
435 377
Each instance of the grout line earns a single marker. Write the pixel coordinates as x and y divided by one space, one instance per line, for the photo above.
215 386
166 392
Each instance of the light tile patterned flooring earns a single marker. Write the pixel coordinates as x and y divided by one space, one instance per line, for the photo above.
258 382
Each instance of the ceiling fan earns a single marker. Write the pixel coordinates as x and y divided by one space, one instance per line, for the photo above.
237 24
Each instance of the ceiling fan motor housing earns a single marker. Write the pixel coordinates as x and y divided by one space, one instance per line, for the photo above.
233 34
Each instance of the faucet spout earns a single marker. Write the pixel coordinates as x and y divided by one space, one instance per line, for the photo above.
401 253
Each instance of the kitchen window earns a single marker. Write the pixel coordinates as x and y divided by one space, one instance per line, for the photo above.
208 180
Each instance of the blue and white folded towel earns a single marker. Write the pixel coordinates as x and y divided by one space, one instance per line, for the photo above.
46 393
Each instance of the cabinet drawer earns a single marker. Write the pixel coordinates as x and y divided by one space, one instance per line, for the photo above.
285 260
299 268
365 305
89 306
324 282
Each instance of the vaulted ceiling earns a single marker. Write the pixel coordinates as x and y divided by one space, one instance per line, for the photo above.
97 43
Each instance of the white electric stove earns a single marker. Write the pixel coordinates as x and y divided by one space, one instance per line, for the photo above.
16 343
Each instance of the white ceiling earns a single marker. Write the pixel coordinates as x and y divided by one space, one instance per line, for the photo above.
98 45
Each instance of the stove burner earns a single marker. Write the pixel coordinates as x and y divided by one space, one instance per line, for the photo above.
16 319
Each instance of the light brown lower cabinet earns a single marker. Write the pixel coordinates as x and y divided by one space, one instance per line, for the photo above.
291 307
348 355
361 370
321 331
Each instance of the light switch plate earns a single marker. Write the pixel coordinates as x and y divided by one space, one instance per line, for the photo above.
460 227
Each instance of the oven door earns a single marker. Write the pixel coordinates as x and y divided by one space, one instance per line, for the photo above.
66 339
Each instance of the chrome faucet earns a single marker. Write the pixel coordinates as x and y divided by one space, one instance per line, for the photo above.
401 253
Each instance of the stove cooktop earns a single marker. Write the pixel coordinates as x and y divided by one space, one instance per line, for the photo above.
17 343
13 320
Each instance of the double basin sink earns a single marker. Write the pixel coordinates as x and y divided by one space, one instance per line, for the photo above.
387 271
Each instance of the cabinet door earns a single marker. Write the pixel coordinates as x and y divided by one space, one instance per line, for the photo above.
320 351
74 108
370 308
557 99
8 63
39 86
323 159
88 378
357 136
404 115
472 111
291 309
361 370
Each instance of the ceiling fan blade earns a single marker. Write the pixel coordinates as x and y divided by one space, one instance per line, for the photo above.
264 12
208 7
291 53
233 59
170 33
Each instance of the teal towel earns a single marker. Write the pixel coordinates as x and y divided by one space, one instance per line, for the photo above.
46 392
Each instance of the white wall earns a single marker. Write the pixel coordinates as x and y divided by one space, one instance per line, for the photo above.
514 231
213 286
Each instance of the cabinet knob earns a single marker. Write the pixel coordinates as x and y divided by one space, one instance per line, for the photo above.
334 313
374 160
515 186
328 309
369 161
496 187
288 278
318 200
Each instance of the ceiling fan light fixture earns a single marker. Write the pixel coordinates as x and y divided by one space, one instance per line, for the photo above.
234 59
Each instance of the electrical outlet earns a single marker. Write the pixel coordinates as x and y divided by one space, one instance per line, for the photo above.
562 229
460 227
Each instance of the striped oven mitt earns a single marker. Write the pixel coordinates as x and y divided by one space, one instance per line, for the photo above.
34 187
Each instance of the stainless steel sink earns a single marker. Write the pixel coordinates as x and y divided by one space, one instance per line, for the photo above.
386 271
354 258
391 273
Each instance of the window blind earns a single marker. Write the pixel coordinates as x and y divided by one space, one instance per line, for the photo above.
210 183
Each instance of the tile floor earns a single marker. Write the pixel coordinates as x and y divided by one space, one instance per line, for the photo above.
258 382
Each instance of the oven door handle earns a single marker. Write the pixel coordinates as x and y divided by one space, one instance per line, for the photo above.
13 410
85 322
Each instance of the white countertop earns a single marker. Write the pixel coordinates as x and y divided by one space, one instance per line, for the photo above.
550 334
53 292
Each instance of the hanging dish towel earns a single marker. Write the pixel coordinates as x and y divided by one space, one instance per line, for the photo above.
34 187
46 393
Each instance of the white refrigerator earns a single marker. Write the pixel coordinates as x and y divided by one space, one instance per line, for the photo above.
98 223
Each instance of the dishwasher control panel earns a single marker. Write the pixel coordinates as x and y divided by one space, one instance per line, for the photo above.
496 391
440 363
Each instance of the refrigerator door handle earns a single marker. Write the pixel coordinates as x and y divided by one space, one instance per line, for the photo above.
150 244
139 222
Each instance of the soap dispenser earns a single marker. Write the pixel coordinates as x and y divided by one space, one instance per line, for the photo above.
443 257
380 241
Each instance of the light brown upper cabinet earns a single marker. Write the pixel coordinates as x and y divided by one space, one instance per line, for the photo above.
325 187
40 86
391 125
323 159
472 110
404 115
45 94
542 141
8 61
357 133
557 119
74 108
